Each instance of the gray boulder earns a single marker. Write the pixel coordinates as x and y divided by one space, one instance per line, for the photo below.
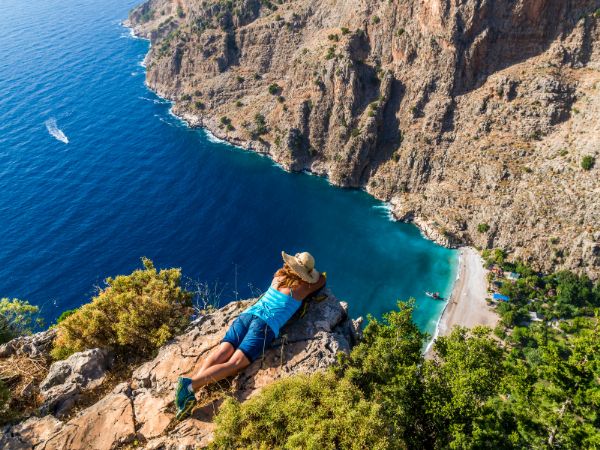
37 344
67 379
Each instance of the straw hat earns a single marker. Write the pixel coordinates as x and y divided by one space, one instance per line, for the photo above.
303 265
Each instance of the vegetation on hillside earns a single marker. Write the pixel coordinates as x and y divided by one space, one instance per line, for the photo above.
558 296
537 389
134 313
17 318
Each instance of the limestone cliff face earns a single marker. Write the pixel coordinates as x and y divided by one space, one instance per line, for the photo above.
457 113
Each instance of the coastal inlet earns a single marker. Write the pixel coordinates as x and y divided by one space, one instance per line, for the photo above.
96 173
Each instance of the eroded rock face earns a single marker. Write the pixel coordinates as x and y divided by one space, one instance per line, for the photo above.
37 344
142 408
457 113
68 378
102 426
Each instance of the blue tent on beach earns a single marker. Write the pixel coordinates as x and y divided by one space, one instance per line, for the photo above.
500 298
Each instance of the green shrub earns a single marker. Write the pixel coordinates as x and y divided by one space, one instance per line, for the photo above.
376 19
260 125
302 412
355 132
65 314
588 162
385 366
17 318
134 313
147 16
180 12
483 228
274 89
199 105
345 31
225 120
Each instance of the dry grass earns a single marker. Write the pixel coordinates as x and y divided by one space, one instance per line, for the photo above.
22 374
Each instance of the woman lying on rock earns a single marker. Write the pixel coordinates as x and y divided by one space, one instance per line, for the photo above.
253 331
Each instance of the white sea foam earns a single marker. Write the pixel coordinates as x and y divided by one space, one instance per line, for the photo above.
164 120
387 209
212 138
156 101
56 132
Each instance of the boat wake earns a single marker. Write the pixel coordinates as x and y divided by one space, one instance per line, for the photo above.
56 132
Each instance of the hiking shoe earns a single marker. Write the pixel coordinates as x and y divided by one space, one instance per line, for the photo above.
184 399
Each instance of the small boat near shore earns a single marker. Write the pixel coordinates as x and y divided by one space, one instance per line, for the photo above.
434 295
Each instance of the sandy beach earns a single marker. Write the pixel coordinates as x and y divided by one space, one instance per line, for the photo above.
467 306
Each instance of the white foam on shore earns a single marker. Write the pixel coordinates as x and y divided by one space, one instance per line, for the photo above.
56 132
439 321
163 120
212 138
156 101
387 209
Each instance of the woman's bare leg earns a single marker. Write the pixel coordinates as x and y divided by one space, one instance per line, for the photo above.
218 372
218 356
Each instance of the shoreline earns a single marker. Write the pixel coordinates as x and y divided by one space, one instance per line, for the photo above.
195 122
466 306
470 281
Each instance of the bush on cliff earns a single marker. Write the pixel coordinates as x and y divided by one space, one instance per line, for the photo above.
303 412
134 313
17 318
372 399
538 389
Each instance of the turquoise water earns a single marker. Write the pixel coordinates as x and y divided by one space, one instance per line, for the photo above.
95 173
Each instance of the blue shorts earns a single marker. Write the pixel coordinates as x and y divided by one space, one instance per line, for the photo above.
251 335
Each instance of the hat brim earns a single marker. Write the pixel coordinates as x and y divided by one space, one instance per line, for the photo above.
310 277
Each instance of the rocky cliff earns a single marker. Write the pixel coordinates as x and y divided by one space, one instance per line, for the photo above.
471 118
139 411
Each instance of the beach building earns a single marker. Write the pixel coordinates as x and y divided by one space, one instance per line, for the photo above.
512 276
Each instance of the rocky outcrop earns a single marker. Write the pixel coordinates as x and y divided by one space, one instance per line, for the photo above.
34 346
458 114
67 379
142 409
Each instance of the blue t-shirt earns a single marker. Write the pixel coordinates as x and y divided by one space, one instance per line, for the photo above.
275 308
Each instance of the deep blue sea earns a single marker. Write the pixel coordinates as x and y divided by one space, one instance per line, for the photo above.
95 173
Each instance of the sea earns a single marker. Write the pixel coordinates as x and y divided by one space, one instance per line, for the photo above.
95 173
